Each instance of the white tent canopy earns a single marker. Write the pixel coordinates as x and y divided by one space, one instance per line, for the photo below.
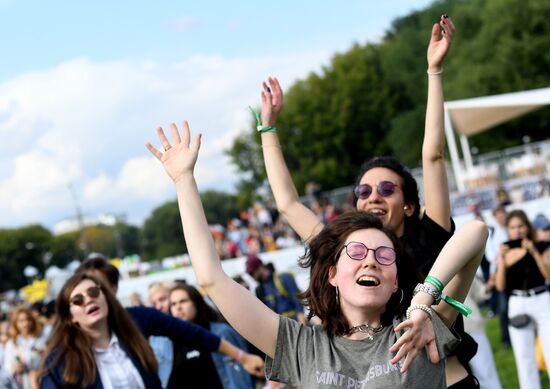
472 116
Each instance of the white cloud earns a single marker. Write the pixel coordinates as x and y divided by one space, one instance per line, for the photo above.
184 24
86 123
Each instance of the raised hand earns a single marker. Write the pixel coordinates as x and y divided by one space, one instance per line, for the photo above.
439 47
420 333
272 102
179 158
503 250
528 244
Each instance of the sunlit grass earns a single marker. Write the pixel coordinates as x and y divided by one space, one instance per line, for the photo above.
504 358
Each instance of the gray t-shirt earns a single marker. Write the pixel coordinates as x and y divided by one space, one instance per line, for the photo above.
307 357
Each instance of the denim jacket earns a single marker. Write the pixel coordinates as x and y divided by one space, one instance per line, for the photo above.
232 374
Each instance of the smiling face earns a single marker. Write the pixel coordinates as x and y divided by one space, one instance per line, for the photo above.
391 209
365 286
93 311
181 305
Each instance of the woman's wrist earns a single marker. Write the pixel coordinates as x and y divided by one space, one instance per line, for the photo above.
434 70
420 307
240 355
422 298
184 177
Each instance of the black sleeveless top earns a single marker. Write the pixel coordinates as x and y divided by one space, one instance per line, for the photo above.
525 274
424 242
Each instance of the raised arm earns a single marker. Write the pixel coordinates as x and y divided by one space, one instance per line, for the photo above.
456 266
500 278
302 219
242 310
436 190
153 322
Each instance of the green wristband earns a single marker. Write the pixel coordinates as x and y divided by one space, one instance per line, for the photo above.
457 305
260 127
435 282
266 129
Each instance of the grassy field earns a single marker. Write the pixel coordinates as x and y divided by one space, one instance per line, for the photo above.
504 359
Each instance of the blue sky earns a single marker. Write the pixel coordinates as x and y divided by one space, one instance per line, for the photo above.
83 85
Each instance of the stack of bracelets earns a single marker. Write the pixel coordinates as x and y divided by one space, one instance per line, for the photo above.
434 288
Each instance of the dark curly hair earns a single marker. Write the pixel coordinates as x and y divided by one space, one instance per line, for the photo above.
322 254
409 185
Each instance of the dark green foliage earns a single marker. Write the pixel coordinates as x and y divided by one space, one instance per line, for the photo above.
371 100
19 248
162 233
219 207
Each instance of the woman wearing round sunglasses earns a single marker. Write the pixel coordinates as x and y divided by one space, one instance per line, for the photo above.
95 343
361 283
385 187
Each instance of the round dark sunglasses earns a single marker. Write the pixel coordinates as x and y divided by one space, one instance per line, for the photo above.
92 292
358 251
384 189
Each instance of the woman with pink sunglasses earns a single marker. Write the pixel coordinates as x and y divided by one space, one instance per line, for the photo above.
361 283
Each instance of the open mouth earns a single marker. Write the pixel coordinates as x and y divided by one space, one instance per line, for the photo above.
368 281
93 310
376 212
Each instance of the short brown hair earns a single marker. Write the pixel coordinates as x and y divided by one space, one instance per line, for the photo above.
100 263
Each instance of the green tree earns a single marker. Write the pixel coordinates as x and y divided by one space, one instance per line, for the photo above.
162 234
219 207
128 239
371 100
64 249
245 154
21 247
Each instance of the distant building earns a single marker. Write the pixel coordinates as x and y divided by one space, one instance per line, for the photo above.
71 224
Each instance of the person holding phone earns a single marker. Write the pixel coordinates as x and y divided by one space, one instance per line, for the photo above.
523 272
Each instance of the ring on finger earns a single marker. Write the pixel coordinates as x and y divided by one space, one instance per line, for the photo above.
166 148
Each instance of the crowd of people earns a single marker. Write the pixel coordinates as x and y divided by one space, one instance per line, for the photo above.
257 229
384 306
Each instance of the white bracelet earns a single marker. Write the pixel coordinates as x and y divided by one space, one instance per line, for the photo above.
277 146
422 307
434 73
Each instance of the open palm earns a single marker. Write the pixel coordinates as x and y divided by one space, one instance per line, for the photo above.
439 47
180 157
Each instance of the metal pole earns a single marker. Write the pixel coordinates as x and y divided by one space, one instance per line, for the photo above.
80 220
453 151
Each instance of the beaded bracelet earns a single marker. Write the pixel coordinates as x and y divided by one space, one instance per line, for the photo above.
434 73
422 307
